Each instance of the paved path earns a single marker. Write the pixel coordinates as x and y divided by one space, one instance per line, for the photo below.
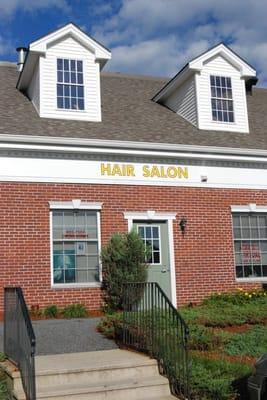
67 336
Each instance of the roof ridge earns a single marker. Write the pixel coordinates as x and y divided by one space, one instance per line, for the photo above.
134 76
8 64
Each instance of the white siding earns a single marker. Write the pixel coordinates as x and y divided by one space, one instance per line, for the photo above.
219 66
34 88
183 101
69 48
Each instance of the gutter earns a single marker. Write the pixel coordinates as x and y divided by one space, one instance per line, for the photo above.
98 146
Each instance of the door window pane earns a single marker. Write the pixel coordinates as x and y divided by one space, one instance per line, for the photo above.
151 238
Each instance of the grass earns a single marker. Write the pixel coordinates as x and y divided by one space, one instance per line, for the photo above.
227 333
252 343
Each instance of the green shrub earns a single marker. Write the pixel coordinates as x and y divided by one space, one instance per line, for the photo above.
4 395
2 357
123 261
238 297
75 311
110 324
51 311
214 379
226 314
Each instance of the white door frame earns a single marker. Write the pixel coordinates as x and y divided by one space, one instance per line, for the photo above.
158 216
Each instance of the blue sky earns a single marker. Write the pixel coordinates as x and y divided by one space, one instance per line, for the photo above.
150 37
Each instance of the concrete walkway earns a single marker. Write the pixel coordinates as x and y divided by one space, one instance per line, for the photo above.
67 336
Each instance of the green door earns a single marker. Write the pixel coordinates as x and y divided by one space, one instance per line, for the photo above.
155 235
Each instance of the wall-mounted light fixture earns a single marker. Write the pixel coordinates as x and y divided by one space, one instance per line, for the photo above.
183 224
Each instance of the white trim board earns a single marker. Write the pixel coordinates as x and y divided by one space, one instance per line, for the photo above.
74 204
252 207
158 216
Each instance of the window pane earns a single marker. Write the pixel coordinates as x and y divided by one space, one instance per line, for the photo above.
73 77
60 90
59 64
73 91
79 66
60 103
148 232
239 271
73 65
66 65
80 91
66 90
156 257
67 102
74 104
80 78
141 231
81 104
66 77
60 76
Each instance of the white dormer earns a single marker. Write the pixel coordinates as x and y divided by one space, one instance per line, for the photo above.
210 91
61 75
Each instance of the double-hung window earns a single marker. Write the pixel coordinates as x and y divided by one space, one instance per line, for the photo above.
75 241
222 105
250 243
70 84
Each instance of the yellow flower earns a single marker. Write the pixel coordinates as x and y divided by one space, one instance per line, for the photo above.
241 289
250 296
246 294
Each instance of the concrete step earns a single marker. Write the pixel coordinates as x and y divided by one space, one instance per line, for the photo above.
92 367
153 388
110 375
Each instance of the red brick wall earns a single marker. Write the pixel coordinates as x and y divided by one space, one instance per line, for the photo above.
203 256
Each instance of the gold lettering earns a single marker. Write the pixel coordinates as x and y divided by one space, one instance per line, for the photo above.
154 172
105 169
162 173
146 173
172 172
183 172
116 170
130 170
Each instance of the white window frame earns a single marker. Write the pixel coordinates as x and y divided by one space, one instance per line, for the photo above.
248 208
70 84
152 226
221 98
75 204
151 215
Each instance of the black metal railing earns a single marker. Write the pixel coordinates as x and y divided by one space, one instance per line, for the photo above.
19 338
151 324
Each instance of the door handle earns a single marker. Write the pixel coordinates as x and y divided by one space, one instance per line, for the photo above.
164 270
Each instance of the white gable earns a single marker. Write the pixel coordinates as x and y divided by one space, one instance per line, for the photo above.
189 92
39 80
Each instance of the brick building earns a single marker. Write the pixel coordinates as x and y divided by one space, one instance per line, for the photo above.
84 154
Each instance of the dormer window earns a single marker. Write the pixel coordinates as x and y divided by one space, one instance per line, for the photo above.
70 84
221 99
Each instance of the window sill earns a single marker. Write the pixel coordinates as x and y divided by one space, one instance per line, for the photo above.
76 285
255 280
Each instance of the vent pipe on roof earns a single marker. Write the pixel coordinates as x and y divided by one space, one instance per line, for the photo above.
22 51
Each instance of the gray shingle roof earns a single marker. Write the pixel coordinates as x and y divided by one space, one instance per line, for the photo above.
128 114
